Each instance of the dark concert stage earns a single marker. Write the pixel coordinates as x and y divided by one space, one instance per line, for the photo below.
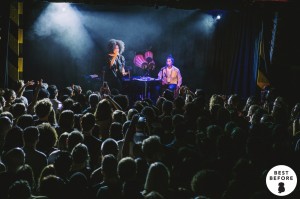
215 45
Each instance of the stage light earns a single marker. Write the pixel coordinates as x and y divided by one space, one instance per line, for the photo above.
218 17
62 23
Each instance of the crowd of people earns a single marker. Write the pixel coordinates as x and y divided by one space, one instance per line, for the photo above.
69 143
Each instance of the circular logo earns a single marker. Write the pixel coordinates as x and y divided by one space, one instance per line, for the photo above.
281 180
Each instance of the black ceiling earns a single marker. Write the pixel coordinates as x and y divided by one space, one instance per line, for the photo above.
191 4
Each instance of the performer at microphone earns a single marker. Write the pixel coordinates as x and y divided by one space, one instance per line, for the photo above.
170 76
116 64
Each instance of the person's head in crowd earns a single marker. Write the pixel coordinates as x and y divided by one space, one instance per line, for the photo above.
213 132
52 118
21 99
252 100
141 169
279 101
7 114
115 131
154 195
267 119
62 164
43 108
80 156
76 108
68 103
43 94
119 116
52 186
109 166
81 99
20 189
200 93
77 89
5 125
110 146
215 99
158 179
280 114
167 107
229 127
257 115
268 94
74 138
127 169
152 149
53 91
125 127
144 103
13 159
96 132
77 121
103 111
47 171
68 91
66 120
77 187
123 101
149 101
233 102
89 92
177 119
13 139
138 106
25 120
207 183
252 110
131 190
131 113
168 95
62 141
31 136
295 113
159 103
18 109
149 113
94 100
179 103
25 172
47 139
88 122
141 125
9 96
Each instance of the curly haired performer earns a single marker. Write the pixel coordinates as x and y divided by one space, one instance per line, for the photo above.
116 64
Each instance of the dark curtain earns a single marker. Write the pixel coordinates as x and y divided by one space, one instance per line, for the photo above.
235 55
